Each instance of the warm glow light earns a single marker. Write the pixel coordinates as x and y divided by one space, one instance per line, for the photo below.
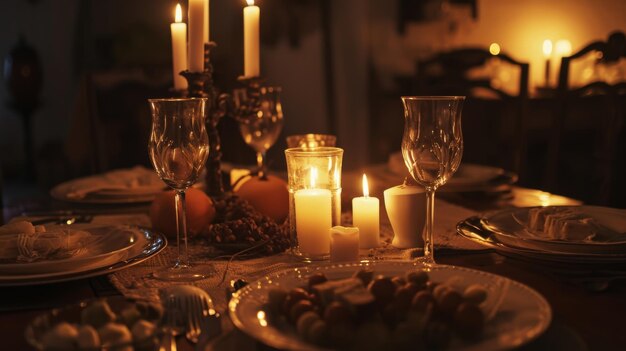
178 17
562 48
366 188
313 176
547 48
261 317
250 2
494 48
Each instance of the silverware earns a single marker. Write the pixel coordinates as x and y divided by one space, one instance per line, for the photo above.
66 220
172 325
203 322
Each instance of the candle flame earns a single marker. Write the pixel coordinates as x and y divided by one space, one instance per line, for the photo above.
563 47
178 17
494 49
547 48
366 188
250 2
313 176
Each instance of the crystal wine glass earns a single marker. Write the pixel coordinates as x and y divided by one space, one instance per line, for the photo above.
261 129
432 146
179 146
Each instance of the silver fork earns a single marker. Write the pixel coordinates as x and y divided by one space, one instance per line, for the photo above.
172 324
195 314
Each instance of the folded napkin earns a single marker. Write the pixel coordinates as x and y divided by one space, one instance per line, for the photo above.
136 180
23 242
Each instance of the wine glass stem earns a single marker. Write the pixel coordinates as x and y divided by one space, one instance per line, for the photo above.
181 228
429 256
260 162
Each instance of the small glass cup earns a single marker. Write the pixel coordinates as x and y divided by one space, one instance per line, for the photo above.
314 177
311 140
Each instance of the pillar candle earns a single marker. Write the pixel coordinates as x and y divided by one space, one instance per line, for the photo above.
207 14
179 49
251 18
313 219
344 244
197 17
547 53
365 217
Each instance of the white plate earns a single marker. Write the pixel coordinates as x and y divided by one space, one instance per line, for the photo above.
113 187
521 314
146 245
469 176
108 245
472 229
509 227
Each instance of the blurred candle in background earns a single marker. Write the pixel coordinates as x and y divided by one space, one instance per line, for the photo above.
197 16
251 61
547 53
179 49
365 217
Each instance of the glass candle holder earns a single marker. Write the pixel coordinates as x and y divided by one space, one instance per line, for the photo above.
314 177
311 140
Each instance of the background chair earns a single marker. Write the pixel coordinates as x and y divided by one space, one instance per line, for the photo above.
586 151
496 87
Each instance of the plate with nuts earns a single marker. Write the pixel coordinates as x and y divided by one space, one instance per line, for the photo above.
389 305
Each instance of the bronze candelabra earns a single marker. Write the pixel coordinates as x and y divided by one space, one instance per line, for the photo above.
245 104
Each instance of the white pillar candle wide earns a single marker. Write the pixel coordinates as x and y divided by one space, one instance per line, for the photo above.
179 49
197 16
344 244
313 220
251 40
406 208
365 216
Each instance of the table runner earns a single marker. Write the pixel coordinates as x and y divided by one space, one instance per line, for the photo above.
137 281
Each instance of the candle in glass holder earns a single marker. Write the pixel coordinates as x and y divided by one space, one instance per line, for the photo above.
313 218
344 244
365 217
179 49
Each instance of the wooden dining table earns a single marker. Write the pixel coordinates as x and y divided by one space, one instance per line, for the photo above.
583 318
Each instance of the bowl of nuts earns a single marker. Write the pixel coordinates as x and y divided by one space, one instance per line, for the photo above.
389 305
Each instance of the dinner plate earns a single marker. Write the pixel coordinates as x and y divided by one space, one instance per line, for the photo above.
510 227
108 244
132 185
472 228
516 313
146 244
469 176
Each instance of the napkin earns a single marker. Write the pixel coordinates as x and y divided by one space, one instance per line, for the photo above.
132 180
23 242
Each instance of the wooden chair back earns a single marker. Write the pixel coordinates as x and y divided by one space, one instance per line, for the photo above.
448 74
587 129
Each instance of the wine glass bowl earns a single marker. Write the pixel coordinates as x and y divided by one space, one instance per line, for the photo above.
432 147
178 147
261 127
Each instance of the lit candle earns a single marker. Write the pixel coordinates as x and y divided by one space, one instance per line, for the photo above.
197 18
179 49
365 217
344 244
251 18
207 30
547 53
313 218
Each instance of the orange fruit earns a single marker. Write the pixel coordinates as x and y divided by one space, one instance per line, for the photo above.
200 212
270 196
